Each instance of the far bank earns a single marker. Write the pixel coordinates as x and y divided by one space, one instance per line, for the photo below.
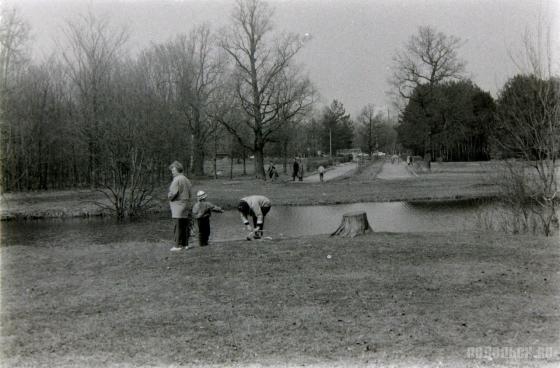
461 182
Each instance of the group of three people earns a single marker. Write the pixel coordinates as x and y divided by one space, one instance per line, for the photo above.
182 210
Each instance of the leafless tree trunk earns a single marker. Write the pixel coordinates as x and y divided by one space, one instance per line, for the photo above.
264 81
534 136
93 52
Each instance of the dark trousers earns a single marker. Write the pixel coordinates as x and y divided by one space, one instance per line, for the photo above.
264 211
203 230
182 231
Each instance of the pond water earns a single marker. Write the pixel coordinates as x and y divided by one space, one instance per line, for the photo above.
281 222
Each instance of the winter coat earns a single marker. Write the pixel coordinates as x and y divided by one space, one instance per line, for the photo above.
300 171
203 209
180 197
256 202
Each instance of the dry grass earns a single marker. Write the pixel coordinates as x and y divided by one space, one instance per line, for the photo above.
379 300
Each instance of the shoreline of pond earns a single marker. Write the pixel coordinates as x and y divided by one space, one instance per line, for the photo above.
364 186
160 209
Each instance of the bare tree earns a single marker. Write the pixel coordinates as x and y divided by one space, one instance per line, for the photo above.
430 57
266 86
198 68
93 50
427 59
14 34
529 133
369 123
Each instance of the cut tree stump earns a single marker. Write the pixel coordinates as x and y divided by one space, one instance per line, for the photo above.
353 224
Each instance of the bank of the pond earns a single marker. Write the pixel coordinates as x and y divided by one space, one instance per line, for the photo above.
433 299
363 186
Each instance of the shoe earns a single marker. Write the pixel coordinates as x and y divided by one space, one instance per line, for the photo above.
176 249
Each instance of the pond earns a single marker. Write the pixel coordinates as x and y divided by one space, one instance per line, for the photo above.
281 222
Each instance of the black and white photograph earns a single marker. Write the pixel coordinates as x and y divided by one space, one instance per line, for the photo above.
279 183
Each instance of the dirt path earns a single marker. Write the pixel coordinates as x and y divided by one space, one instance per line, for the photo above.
331 174
394 171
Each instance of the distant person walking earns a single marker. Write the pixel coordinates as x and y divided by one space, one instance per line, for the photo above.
255 206
300 171
272 173
202 210
180 202
295 170
321 170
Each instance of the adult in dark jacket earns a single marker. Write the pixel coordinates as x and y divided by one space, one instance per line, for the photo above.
295 169
180 202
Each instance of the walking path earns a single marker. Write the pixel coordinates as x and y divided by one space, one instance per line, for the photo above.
394 171
330 173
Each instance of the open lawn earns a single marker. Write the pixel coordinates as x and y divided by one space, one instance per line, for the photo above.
378 300
363 186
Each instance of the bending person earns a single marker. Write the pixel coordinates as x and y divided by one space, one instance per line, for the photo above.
256 206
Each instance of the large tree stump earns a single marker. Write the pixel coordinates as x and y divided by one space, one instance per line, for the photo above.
353 224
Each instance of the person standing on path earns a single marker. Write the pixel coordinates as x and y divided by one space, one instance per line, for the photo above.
321 170
202 210
272 173
295 170
256 206
180 202
300 171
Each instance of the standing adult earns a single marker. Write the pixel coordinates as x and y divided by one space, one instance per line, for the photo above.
321 170
255 206
295 170
272 173
300 171
180 202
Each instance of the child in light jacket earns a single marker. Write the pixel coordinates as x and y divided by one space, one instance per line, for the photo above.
201 212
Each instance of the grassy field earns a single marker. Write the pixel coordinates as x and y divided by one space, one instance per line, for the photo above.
463 181
380 300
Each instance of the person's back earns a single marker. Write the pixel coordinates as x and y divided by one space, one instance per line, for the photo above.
255 206
295 170
321 170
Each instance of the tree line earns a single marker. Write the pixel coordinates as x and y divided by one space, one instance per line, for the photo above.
445 115
92 115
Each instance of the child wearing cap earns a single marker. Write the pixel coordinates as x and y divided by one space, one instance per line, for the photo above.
201 212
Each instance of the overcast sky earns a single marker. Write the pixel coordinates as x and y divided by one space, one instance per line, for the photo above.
352 40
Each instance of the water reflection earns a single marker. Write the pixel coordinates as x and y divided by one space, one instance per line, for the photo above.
281 222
